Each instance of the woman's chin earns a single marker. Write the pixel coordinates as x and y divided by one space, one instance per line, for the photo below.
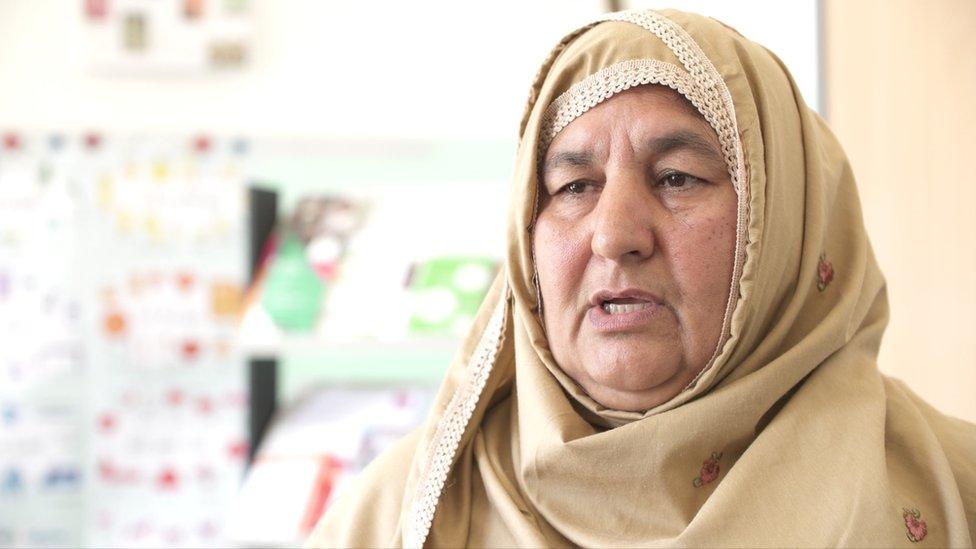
634 387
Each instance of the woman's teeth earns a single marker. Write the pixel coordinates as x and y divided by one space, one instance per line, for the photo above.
620 308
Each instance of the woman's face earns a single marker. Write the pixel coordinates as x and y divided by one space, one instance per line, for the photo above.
634 245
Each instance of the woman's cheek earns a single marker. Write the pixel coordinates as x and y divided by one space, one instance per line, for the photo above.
561 253
705 269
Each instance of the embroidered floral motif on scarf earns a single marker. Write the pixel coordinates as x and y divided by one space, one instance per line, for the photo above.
825 272
709 471
915 525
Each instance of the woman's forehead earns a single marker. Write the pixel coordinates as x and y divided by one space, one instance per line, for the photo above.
656 115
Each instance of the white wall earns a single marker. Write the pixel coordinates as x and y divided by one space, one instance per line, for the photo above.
788 29
319 67
422 69
901 102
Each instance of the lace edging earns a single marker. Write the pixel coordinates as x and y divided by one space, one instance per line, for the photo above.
701 85
607 82
447 438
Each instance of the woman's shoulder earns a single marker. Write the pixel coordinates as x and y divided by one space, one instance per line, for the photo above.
367 513
956 437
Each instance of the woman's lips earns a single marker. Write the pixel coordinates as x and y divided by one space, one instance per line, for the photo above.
605 321
626 294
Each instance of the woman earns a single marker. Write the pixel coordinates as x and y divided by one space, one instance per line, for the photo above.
681 350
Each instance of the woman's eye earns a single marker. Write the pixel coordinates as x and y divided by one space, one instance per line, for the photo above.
677 180
575 187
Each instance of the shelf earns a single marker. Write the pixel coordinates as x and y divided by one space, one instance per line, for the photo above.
287 345
421 360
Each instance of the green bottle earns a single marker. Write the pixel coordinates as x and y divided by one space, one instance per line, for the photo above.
292 292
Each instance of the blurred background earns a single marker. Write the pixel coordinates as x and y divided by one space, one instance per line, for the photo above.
237 247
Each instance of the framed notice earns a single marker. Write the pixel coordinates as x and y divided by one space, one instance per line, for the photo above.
179 37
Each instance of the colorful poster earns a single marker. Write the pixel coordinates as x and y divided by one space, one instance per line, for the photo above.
43 361
122 390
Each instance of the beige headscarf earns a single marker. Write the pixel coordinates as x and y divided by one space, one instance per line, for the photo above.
790 436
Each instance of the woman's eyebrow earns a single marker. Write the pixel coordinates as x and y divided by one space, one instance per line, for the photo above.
568 158
686 140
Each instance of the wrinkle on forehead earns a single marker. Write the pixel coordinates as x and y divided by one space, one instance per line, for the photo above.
701 141
673 141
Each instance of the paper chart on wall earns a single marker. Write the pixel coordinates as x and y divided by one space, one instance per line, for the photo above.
122 393
168 442
167 458
42 359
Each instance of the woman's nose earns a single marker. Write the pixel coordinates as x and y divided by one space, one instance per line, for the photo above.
623 229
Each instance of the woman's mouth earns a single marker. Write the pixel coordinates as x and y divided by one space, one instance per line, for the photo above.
624 315
623 306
